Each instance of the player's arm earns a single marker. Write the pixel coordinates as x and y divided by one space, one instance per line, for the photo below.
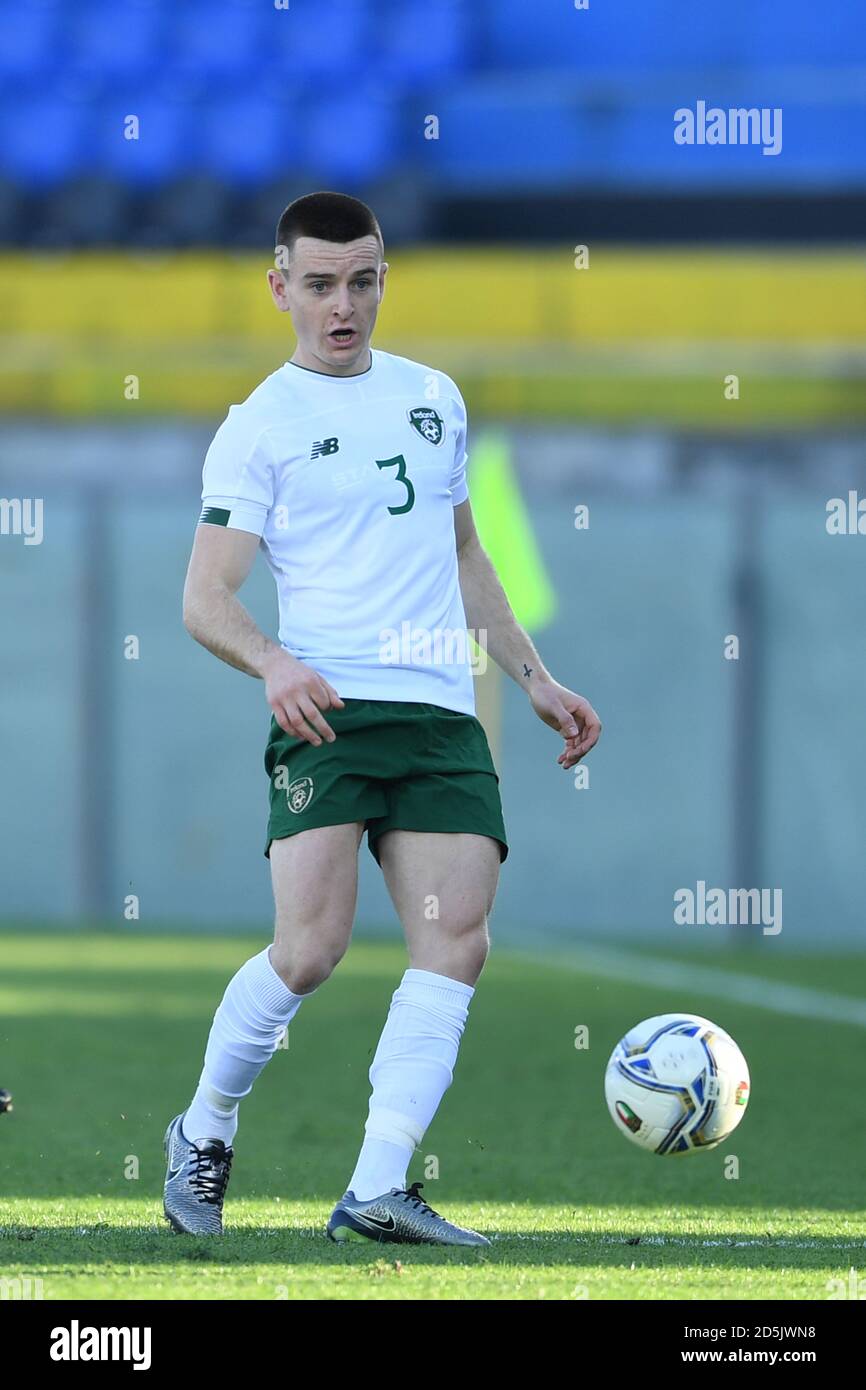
221 560
488 611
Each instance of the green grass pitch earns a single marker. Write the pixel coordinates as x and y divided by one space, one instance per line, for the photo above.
101 1041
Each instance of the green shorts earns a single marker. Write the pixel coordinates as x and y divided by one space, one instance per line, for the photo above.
395 765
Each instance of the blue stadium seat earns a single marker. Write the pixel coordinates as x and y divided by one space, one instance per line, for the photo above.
167 142
331 40
646 155
816 148
31 35
779 33
240 93
43 138
417 41
110 40
247 139
656 36
504 139
224 40
824 145
500 138
352 138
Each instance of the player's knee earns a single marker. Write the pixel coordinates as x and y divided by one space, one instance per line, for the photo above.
482 946
303 970
475 946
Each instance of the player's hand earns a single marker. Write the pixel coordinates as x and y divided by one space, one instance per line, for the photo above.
297 694
572 715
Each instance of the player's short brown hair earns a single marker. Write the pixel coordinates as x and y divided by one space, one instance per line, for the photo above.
328 216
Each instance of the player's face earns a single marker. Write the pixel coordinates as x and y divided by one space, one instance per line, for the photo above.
332 291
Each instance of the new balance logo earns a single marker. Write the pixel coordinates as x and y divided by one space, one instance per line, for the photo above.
324 446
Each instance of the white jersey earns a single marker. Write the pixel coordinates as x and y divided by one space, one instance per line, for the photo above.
351 482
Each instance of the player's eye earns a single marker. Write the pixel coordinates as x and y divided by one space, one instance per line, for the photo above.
364 284
318 285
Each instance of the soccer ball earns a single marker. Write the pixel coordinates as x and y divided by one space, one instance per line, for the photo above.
676 1083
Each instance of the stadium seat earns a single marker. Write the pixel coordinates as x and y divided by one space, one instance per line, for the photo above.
417 42
817 148
111 40
785 33
189 211
247 139
825 144
30 36
88 211
354 137
331 40
12 218
243 96
637 35
166 146
43 138
501 138
226 40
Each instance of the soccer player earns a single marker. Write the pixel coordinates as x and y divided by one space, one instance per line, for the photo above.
347 467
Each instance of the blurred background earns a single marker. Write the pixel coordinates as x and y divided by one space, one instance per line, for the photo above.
670 336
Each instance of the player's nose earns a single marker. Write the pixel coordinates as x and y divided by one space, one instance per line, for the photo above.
343 303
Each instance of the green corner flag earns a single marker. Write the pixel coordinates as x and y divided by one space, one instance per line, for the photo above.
505 531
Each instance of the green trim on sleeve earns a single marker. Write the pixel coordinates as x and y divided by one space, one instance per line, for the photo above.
216 516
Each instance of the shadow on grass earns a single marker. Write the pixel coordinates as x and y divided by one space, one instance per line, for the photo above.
104 1244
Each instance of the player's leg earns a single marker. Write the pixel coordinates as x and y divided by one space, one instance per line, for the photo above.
315 882
314 875
443 887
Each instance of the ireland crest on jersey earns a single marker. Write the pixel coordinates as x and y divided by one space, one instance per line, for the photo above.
429 425
300 794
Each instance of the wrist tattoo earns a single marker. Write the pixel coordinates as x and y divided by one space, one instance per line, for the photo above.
527 670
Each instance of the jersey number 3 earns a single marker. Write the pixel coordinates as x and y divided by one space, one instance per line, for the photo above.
400 464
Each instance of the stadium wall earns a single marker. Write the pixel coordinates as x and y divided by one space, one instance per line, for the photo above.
143 777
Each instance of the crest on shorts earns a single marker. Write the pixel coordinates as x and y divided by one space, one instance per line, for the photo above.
299 794
428 423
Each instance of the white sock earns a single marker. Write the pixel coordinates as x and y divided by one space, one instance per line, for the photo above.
247 1026
410 1073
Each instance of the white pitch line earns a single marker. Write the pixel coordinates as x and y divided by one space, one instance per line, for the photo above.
768 1242
759 992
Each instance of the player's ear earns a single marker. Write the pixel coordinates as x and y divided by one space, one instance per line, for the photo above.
278 287
383 270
